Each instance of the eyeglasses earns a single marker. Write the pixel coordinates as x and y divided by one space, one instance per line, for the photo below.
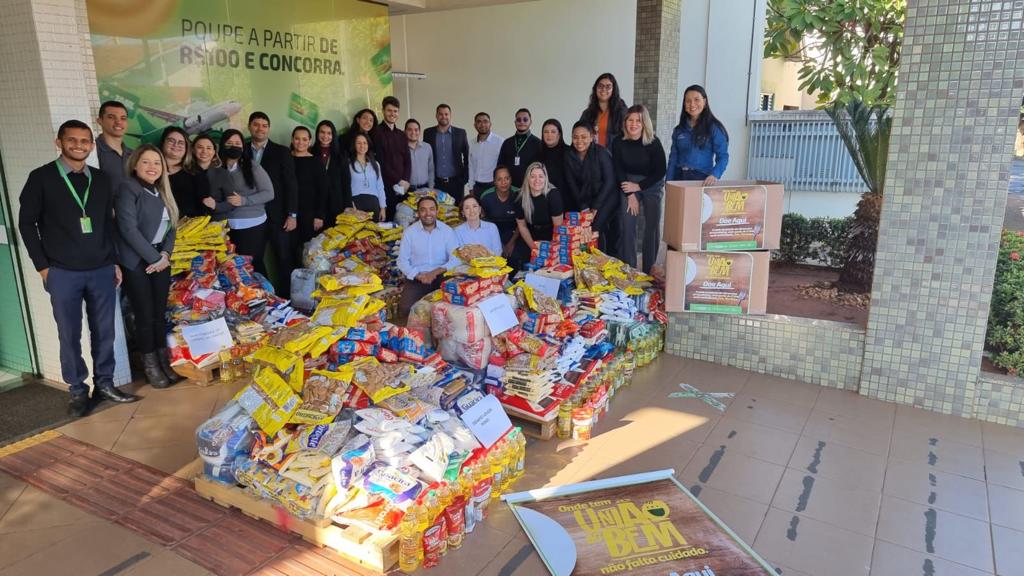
523 119
175 143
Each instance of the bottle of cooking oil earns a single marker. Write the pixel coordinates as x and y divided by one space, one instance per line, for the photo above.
410 547
498 457
565 419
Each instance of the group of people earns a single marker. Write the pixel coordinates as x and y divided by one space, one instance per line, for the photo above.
87 230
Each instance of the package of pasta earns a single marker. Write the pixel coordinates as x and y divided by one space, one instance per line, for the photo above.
287 364
397 486
269 400
315 341
324 390
298 499
380 381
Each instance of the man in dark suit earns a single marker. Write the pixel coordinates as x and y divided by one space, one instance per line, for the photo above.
283 209
451 153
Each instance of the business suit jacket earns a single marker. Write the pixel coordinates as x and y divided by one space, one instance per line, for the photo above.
138 215
277 161
460 149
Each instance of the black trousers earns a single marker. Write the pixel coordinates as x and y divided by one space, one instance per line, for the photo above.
148 295
453 186
68 289
252 242
282 246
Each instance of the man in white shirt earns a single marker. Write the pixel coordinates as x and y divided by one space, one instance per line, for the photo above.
425 253
483 154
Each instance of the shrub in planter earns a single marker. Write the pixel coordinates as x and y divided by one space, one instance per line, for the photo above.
820 241
1005 338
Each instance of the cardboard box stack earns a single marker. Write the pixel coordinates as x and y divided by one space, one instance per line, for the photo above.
719 239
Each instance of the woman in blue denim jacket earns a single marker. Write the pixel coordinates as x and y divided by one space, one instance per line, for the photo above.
700 143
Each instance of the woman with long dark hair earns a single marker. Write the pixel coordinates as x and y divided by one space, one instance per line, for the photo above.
334 160
590 180
147 217
362 123
605 110
250 190
700 143
188 186
639 161
367 183
312 180
553 151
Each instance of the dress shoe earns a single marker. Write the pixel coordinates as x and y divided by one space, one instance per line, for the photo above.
165 366
79 406
154 375
114 395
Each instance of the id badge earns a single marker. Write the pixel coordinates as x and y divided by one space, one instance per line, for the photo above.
86 223
517 161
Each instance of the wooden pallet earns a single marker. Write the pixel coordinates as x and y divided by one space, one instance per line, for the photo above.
533 425
201 376
375 551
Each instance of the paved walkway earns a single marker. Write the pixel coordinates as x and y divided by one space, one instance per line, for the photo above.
821 482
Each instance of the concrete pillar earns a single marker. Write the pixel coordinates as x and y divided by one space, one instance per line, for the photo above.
960 84
656 71
49 76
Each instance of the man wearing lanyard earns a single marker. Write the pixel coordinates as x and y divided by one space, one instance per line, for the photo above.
66 221
521 150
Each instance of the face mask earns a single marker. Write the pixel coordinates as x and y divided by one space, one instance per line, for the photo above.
232 152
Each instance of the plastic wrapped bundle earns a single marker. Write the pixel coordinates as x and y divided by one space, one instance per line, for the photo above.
222 439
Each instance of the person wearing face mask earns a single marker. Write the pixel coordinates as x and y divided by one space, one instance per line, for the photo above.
312 180
499 206
606 110
66 221
700 143
391 149
188 187
334 160
639 162
476 231
552 155
522 149
590 180
425 253
244 198
146 217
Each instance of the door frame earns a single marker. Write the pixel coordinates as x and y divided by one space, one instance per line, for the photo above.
14 241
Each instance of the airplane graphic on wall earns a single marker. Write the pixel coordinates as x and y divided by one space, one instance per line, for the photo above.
202 121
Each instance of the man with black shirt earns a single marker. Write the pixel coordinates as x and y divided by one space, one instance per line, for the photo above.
451 153
67 224
283 209
110 147
391 148
521 150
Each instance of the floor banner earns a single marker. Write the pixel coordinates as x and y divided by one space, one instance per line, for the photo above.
643 524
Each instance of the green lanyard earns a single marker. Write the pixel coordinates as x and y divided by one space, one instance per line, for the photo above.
519 147
78 199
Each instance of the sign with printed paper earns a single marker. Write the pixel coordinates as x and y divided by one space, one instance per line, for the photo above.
733 218
487 420
208 337
717 282
639 525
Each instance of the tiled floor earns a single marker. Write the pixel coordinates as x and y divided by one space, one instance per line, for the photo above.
821 482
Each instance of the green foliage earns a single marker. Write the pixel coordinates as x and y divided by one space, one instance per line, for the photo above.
1005 338
850 49
813 240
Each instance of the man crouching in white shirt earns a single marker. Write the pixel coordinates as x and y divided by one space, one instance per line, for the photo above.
425 254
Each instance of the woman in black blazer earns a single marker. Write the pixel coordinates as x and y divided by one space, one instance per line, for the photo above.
147 217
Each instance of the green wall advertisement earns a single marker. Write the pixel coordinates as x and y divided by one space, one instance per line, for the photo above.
205 65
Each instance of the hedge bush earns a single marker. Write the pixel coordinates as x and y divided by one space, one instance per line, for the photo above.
1005 338
820 241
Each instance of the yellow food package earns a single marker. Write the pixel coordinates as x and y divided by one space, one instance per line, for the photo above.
269 400
304 416
488 272
488 262
288 364
316 341
380 381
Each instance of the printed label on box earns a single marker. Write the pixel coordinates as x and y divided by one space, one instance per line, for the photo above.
718 282
733 217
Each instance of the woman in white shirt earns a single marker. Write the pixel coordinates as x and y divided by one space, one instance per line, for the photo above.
367 184
477 231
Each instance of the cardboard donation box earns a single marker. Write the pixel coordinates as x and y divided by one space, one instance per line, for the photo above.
731 215
716 282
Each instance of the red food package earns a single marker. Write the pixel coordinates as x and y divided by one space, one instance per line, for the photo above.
435 542
387 356
455 519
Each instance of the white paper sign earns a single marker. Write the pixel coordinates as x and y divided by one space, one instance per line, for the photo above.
544 284
487 421
207 338
498 314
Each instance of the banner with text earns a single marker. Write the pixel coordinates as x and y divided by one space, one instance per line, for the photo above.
205 65
637 528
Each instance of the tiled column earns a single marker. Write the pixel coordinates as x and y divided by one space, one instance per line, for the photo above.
49 76
656 71
960 86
